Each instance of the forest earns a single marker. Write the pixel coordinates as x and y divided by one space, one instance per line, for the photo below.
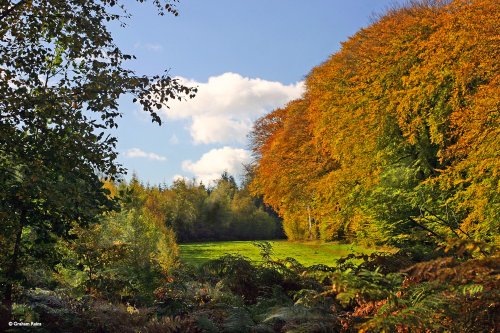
196 213
394 144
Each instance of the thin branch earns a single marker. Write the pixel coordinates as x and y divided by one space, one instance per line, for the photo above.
447 223
451 228
421 226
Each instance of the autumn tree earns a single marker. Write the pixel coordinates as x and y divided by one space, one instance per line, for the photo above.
399 130
288 163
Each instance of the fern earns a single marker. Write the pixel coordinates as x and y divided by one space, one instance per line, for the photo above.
365 285
471 289
206 325
424 307
239 321
443 295
299 318
266 250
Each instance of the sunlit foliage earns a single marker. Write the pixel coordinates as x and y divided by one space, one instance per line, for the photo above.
397 134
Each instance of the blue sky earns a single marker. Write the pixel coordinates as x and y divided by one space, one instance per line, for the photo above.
246 57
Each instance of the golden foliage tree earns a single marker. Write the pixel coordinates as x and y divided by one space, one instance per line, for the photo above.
416 91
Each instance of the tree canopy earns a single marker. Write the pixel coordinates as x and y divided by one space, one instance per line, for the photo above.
396 137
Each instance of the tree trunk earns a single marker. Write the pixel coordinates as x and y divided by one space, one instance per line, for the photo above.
309 220
6 307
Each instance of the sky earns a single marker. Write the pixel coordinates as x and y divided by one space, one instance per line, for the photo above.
247 58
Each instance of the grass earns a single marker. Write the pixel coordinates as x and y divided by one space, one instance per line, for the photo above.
307 253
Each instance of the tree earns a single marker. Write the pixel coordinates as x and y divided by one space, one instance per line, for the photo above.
61 76
405 113
184 209
289 162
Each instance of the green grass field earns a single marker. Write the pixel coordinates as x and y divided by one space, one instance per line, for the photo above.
307 253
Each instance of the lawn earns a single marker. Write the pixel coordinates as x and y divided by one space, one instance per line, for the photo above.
307 253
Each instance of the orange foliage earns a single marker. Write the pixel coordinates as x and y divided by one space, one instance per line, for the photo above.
423 79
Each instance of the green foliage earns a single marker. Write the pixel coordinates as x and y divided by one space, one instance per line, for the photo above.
421 309
266 250
365 284
197 213
61 78
235 273
122 258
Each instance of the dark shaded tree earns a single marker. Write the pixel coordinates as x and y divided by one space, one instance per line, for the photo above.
61 76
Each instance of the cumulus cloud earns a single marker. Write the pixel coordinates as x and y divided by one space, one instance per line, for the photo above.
138 153
226 106
213 163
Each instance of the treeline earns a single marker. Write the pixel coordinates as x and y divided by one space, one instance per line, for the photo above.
396 139
196 212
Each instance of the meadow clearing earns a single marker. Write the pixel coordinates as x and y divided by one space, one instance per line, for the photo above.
307 253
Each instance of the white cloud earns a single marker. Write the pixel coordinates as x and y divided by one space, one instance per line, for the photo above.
213 163
173 139
148 46
226 106
138 153
213 129
180 177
